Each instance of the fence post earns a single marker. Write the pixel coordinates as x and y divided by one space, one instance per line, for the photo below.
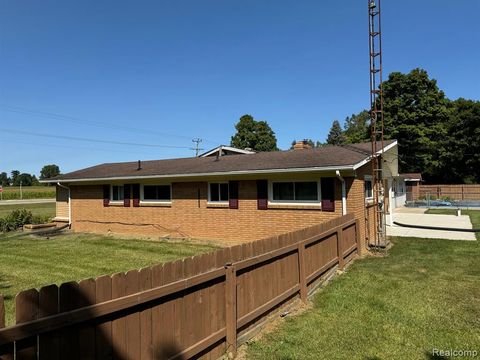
341 260
231 309
357 234
301 271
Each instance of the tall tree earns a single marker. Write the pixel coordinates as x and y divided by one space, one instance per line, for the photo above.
4 180
49 171
14 174
253 134
335 136
416 113
25 179
356 128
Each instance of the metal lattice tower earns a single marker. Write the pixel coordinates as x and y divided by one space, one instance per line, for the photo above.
376 121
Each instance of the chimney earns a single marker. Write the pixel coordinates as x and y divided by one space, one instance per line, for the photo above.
139 165
301 145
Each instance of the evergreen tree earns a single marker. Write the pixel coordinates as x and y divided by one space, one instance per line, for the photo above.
335 136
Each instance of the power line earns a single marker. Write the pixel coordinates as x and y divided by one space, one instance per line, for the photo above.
72 119
91 140
197 148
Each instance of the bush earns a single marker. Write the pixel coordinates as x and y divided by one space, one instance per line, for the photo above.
18 218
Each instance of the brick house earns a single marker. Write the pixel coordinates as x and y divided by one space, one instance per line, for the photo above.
231 199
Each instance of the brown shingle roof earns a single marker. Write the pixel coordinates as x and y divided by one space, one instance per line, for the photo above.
328 156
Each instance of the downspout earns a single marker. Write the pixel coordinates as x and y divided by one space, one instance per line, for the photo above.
69 204
344 193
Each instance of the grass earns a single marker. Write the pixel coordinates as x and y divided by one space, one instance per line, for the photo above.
44 209
425 294
28 192
29 262
474 216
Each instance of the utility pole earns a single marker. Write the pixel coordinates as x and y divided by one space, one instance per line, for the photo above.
197 147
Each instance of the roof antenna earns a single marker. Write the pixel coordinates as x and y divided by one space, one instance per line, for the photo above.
139 165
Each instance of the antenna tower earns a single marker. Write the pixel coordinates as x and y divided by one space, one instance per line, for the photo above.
379 239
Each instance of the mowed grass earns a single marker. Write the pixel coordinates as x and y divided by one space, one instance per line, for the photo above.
45 209
28 192
31 262
424 295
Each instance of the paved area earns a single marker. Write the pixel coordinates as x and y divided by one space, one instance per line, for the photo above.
27 201
460 222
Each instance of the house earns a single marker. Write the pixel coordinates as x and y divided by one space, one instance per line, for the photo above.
232 199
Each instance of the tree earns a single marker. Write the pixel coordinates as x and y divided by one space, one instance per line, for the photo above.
14 175
335 136
25 179
416 112
357 128
4 180
462 160
49 171
253 134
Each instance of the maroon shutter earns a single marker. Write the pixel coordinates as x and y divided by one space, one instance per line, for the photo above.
262 194
126 195
136 195
328 194
106 195
233 194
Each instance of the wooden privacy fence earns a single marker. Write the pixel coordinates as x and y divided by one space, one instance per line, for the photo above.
453 192
195 307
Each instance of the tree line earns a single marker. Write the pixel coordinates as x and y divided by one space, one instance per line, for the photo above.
25 179
437 136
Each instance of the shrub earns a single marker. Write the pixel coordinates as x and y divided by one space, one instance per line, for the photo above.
18 218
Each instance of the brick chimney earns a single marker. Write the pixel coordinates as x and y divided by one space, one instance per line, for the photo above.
301 145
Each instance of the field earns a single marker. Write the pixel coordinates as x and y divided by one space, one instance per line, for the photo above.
424 295
47 209
31 262
28 192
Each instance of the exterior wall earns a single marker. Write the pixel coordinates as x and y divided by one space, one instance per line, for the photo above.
62 208
189 215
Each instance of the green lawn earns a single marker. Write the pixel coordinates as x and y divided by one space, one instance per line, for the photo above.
27 262
425 294
47 209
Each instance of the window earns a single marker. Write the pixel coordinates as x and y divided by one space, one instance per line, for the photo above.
157 193
299 191
218 192
368 187
117 193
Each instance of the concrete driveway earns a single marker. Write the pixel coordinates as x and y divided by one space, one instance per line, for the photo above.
418 218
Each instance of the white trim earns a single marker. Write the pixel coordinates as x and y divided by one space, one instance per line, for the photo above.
218 173
271 201
69 205
344 192
367 160
368 178
228 148
212 202
151 201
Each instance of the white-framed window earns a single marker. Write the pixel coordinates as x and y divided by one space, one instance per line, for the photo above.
156 193
218 192
116 193
294 191
368 184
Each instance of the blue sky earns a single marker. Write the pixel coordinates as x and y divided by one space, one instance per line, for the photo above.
164 72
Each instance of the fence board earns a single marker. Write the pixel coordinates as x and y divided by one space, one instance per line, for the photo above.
48 305
26 304
103 331
145 283
86 333
119 330
68 297
6 352
132 324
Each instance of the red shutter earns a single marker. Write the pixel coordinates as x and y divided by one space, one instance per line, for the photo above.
106 195
233 194
136 195
126 195
328 194
262 194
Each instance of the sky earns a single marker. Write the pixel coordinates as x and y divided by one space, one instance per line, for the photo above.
144 78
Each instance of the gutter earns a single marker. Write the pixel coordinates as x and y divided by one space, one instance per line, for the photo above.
344 193
69 203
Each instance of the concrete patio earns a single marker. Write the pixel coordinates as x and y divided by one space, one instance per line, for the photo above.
418 217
